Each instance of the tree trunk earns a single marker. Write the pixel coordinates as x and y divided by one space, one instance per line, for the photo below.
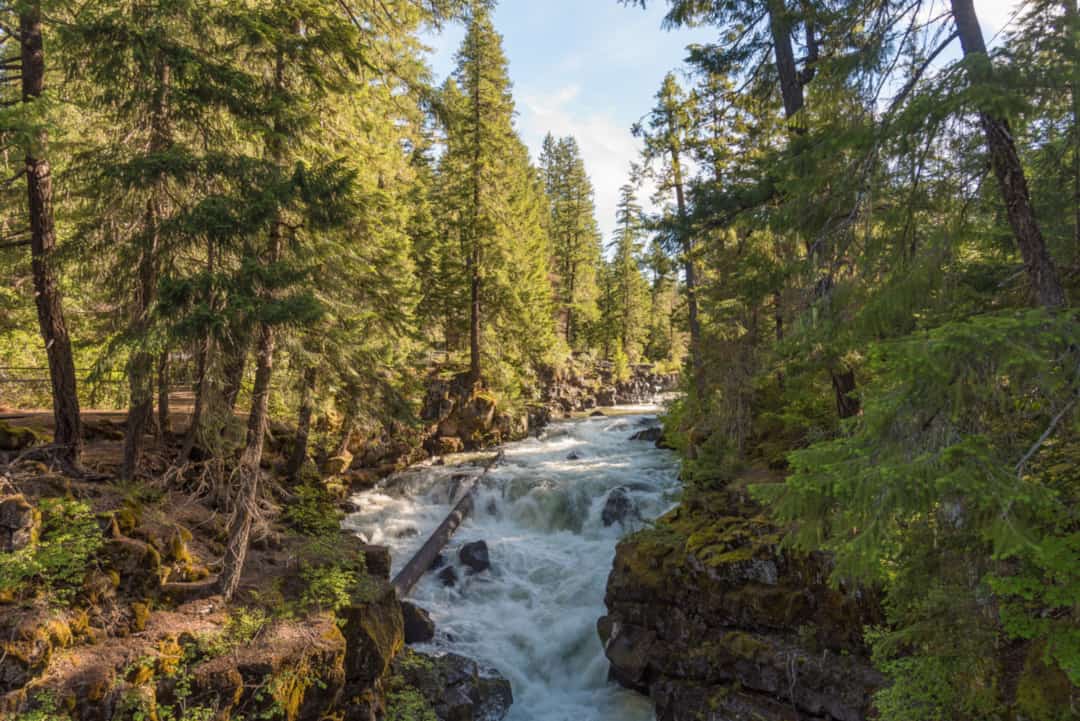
201 389
303 423
234 366
791 88
141 364
164 419
1005 161
1072 27
690 268
202 361
474 321
475 372
847 405
245 509
66 418
247 492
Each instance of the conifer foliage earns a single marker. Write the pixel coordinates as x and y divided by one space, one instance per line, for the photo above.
886 256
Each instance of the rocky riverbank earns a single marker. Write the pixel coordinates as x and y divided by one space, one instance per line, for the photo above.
109 612
461 417
715 622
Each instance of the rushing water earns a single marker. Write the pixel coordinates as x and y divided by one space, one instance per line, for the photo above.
533 615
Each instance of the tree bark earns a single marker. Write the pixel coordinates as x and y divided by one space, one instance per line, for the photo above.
1006 164
164 419
245 509
234 366
791 87
202 361
847 405
141 365
303 423
1072 27
66 417
690 269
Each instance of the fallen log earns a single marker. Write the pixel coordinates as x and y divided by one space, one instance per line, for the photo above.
414 570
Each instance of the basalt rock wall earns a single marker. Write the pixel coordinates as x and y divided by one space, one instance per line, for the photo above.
715 622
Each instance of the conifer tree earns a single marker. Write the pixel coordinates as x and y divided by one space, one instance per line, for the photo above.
631 290
491 197
575 236
33 141
666 131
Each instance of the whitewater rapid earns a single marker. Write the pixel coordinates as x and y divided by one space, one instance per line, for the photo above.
532 617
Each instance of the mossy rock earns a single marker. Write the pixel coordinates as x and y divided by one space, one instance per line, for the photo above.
1043 692
374 635
14 439
138 565
20 524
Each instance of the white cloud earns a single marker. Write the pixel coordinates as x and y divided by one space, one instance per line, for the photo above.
606 145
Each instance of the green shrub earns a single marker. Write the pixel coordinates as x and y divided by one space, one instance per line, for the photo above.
313 512
57 564
406 704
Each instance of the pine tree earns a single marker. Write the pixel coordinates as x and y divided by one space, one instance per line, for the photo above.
491 198
575 238
666 132
32 138
630 309
153 74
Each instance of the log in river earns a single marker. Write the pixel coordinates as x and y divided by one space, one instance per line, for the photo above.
541 510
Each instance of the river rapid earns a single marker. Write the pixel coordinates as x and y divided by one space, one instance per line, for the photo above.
532 617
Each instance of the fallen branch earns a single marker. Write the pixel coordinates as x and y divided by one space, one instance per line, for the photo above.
414 570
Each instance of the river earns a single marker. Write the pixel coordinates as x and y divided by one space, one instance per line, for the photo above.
533 616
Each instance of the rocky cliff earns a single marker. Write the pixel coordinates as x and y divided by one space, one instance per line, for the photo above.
714 621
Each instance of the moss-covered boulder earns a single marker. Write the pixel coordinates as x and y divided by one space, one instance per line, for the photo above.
137 566
455 688
14 438
295 671
710 616
374 634
20 524
28 640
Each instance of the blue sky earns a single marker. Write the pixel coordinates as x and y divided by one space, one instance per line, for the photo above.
590 68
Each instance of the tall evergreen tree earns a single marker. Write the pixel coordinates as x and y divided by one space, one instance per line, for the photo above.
491 196
666 131
575 236
631 289
32 138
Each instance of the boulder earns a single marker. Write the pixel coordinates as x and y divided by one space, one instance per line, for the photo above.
598 414
378 561
374 634
14 439
575 456
20 523
710 617
618 507
449 445
475 556
650 435
419 628
448 576
338 464
137 564
457 688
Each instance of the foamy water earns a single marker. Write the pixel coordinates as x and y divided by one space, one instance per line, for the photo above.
533 615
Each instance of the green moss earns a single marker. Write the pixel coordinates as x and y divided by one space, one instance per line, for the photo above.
744 645
14 438
1043 692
